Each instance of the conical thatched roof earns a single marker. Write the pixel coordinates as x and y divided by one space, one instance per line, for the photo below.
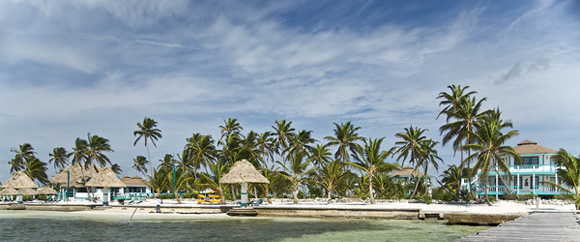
76 175
27 191
407 171
8 191
106 178
46 190
243 171
19 180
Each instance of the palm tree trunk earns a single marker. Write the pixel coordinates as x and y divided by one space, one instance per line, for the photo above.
295 195
507 188
371 195
221 190
268 194
416 188
233 192
149 156
329 195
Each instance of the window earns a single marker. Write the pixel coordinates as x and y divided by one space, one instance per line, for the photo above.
531 161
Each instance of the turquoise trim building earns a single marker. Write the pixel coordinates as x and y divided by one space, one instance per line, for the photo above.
526 178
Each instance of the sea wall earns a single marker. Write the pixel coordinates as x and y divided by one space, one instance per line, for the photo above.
274 211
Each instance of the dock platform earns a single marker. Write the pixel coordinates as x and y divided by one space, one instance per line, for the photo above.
539 226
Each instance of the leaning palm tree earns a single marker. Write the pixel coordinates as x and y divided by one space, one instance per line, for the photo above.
372 160
488 146
297 171
430 157
346 138
36 170
411 146
79 155
569 175
148 131
23 154
140 165
59 158
95 151
116 168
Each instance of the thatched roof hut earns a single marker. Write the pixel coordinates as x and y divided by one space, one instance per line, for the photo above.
27 191
76 175
105 178
19 180
243 172
8 192
46 190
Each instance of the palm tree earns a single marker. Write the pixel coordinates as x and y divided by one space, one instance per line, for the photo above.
249 149
300 142
202 151
489 145
140 164
297 171
181 180
36 169
23 154
219 169
451 179
117 169
159 181
265 145
230 127
430 157
79 155
329 175
452 101
95 151
466 115
568 175
148 131
345 137
59 158
372 160
282 134
320 155
273 175
411 146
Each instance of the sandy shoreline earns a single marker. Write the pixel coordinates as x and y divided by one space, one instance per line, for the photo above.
171 208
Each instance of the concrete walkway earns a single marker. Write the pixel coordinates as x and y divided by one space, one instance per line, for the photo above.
540 226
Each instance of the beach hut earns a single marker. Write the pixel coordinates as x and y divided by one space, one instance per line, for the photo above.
73 178
46 190
243 172
8 192
20 181
106 179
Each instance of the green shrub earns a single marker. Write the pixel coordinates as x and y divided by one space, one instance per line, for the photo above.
166 196
567 197
189 195
41 197
525 197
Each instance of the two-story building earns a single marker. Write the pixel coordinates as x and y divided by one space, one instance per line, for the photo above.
526 178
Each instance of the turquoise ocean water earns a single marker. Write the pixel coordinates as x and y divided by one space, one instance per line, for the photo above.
63 226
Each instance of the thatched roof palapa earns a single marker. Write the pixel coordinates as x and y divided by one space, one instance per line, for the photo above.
8 192
105 178
46 190
76 175
407 171
531 147
19 180
243 172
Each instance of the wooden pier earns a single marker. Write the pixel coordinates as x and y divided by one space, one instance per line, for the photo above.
544 226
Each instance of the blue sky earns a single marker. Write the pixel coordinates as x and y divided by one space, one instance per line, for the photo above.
72 67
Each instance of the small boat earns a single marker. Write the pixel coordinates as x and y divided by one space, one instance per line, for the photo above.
209 197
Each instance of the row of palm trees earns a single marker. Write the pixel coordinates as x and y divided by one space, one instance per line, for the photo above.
294 160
